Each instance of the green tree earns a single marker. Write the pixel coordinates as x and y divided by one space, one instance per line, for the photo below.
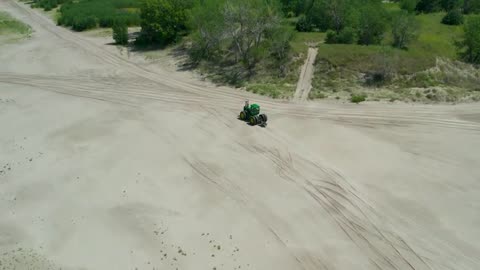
238 33
404 29
279 43
471 6
449 5
207 23
453 17
120 32
246 24
372 24
469 47
428 6
162 21
334 14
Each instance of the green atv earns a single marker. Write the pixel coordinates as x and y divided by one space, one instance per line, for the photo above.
251 113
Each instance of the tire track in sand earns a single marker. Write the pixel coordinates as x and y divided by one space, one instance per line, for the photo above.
135 92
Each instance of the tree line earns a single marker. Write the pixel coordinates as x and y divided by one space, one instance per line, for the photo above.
248 32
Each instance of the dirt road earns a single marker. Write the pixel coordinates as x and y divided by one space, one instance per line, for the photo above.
108 164
304 84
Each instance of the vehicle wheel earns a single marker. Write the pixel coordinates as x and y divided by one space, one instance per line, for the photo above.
243 116
264 117
253 121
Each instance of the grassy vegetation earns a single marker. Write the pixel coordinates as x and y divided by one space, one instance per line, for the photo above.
302 39
342 71
266 81
340 68
12 29
434 40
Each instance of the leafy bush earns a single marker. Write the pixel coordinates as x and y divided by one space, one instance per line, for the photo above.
469 47
453 17
357 98
120 32
81 24
408 5
347 36
86 14
331 37
304 24
404 29
162 21
47 4
372 25
428 6
471 6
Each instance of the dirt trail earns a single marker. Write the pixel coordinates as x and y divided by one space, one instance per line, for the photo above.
304 84
151 169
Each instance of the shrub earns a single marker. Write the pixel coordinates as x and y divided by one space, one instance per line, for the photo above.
347 36
428 6
453 17
469 47
120 32
408 5
404 29
331 37
162 21
357 98
304 24
47 4
81 24
372 25
103 12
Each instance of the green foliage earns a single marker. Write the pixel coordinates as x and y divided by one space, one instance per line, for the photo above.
334 14
331 37
47 4
471 6
347 35
207 23
404 29
278 42
408 5
453 17
469 47
86 14
428 6
372 24
449 5
304 24
248 30
357 98
120 32
292 7
162 21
